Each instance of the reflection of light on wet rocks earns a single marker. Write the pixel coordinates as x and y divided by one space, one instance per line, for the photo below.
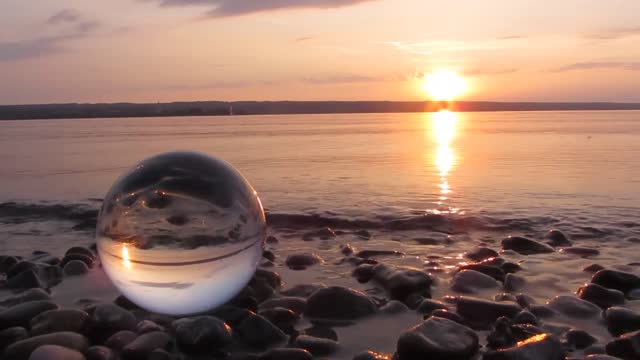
181 233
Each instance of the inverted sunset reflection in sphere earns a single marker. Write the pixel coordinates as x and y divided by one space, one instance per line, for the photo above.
181 233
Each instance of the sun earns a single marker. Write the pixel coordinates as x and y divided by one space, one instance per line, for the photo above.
444 85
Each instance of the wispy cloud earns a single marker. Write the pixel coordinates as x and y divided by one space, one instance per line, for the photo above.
432 47
304 38
595 65
223 8
614 34
511 37
489 72
75 26
341 79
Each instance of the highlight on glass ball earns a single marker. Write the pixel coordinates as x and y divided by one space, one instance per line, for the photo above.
181 233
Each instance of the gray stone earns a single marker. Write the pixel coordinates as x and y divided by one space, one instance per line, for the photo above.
99 352
557 238
75 267
621 320
600 295
59 320
353 304
514 282
525 246
120 339
316 346
21 315
468 281
258 332
626 346
287 354
144 344
539 347
574 307
302 261
481 253
438 339
400 282
26 296
612 279
201 333
22 349
55 352
109 318
482 313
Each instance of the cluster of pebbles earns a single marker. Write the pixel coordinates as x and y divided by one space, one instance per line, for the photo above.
269 321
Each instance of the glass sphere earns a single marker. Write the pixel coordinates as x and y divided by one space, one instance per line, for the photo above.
181 233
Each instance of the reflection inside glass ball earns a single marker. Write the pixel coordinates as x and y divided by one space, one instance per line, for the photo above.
181 233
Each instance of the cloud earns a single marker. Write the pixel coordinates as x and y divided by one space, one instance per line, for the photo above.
341 79
614 34
75 27
304 38
224 8
489 72
444 46
632 66
511 37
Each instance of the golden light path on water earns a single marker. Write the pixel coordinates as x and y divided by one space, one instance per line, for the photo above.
443 129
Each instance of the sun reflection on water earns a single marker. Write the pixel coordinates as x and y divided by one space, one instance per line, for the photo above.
444 126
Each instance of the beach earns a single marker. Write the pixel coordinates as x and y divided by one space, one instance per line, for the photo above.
417 225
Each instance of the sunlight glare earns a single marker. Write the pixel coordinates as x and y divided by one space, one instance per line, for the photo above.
444 85
125 257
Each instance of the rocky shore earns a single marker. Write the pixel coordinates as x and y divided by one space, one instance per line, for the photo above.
348 294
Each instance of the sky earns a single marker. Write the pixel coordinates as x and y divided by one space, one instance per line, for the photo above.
185 50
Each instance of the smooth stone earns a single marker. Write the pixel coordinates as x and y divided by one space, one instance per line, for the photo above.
269 255
514 282
144 344
601 357
612 279
55 352
287 354
525 317
283 318
557 238
296 304
510 268
493 271
595 349
427 306
593 268
21 315
539 347
11 335
634 294
579 339
75 268
542 311
302 261
46 259
524 246
626 347
26 296
482 313
81 250
504 334
100 352
7 262
366 254
120 339
231 315
59 320
346 249
401 282
621 320
601 296
438 339
322 234
302 290
468 281
21 350
159 354
84 258
505 297
446 314
316 346
363 273
21 267
480 254
574 307
258 332
393 307
146 326
271 239
323 304
108 319
363 234
524 300
320 331
580 251
201 333
270 277
371 355
26 280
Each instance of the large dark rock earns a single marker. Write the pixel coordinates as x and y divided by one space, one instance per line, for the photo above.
143 345
270 277
59 320
579 339
11 335
75 256
580 251
482 313
107 319
201 333
283 318
75 267
258 332
371 355
481 253
100 352
20 315
21 350
296 304
438 339
625 347
621 321
316 346
468 281
401 282
81 250
28 279
612 279
120 339
601 296
26 296
557 238
494 271
505 333
574 307
302 261
55 352
287 354
338 303
525 246
539 347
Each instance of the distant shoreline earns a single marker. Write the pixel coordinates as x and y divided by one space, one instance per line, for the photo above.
221 108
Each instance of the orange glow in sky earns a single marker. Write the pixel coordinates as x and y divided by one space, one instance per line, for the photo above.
444 85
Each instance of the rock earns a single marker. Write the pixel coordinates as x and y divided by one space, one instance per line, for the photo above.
55 352
401 282
468 281
283 318
302 261
59 320
125 303
621 320
366 254
363 273
580 251
20 315
271 239
596 349
11 335
120 339
270 277
323 234
75 267
634 294
346 249
525 317
316 346
509 267
199 334
144 344
446 314
601 357
514 282
501 335
505 297
320 331
45 258
99 352
481 253
295 304
371 355
524 246
146 326
21 267
159 354
556 238
438 339
26 280
363 234
593 268
579 339
353 304
269 255
612 279
601 296
26 296
287 354
427 306
258 332
539 347
482 313
7 262
80 257
626 347
542 311
231 315
524 300
82 251
574 307
302 290
394 307
22 349
493 271
108 319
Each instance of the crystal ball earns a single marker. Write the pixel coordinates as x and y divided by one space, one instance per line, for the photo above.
181 233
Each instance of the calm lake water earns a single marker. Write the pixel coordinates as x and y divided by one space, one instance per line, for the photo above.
582 165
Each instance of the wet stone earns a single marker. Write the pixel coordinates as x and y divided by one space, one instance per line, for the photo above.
21 350
346 249
556 238
146 326
81 250
120 339
481 253
316 346
270 277
353 304
371 355
494 271
524 246
626 346
7 262
287 354
514 282
258 332
601 296
483 313
427 306
401 282
302 261
393 307
269 255
271 239
539 347
26 280
283 318
75 267
295 304
621 320
525 317
618 280
593 268
55 352
363 273
574 307
468 281
73 320
579 339
446 314
580 251
108 319
26 296
99 352
21 315
11 335
80 257
144 344
438 338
